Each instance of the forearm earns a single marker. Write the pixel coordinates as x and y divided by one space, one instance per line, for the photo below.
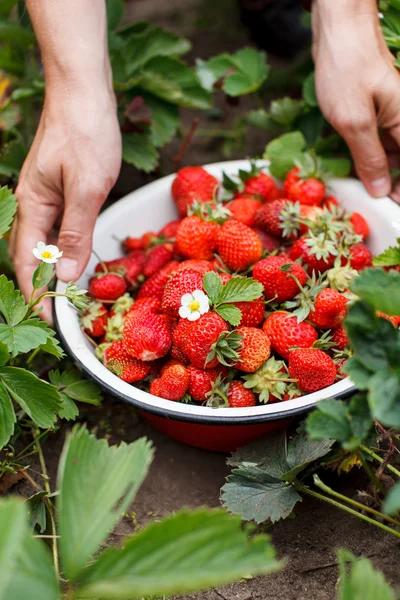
72 36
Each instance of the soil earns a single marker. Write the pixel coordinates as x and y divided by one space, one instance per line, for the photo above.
182 476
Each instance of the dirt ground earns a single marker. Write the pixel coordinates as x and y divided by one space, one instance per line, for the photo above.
182 476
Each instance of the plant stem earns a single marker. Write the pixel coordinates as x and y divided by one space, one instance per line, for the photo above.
32 355
379 459
369 471
332 492
355 513
49 504
31 298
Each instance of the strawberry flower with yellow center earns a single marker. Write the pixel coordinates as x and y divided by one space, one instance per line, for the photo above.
194 305
47 254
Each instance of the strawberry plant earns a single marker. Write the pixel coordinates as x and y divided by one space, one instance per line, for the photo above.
184 552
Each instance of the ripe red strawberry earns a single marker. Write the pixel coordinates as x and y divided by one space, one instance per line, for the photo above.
132 244
154 286
146 304
330 202
291 178
193 184
312 368
157 258
239 396
148 238
180 335
262 187
254 351
94 320
201 335
269 243
339 337
200 382
118 361
183 282
301 249
277 280
308 191
177 354
202 266
238 245
329 309
360 225
243 209
170 363
169 230
360 257
268 217
173 383
146 335
109 286
196 238
130 266
285 332
252 312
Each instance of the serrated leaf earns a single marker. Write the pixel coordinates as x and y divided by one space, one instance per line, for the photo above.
185 552
285 110
7 416
360 374
12 303
153 43
309 94
283 152
38 399
52 346
259 119
329 421
69 410
212 284
230 313
391 505
75 386
8 208
25 336
252 71
165 120
122 469
13 528
37 512
42 275
138 150
336 167
241 289
384 397
362 581
302 451
380 289
389 257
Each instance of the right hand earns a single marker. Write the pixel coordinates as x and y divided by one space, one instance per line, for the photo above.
72 165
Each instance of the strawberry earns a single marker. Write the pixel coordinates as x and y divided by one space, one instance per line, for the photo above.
170 363
201 382
177 354
148 238
239 396
122 306
360 225
147 336
309 191
312 368
243 209
132 244
268 217
285 332
202 266
238 245
94 319
169 230
130 266
173 383
319 261
193 184
310 213
183 282
180 335
339 337
201 336
108 286
329 309
262 187
269 243
360 257
291 178
146 304
154 286
197 238
394 320
255 349
271 381
276 273
119 362
330 202
157 258
252 312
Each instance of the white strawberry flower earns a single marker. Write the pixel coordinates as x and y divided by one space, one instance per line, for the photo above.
47 254
194 305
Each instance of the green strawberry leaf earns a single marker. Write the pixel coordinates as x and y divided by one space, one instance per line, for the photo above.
26 336
389 258
285 110
362 580
76 387
12 303
309 94
4 355
212 284
42 275
8 208
230 313
240 289
7 416
392 501
282 152
138 150
336 167
52 346
384 397
360 374
379 289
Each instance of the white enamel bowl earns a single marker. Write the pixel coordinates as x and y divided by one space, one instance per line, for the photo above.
149 208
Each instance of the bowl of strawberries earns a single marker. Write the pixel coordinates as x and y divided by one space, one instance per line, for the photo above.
217 297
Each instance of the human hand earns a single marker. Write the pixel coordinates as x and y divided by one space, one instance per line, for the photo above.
73 163
358 87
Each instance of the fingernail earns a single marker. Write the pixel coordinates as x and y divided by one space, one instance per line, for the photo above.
381 186
67 269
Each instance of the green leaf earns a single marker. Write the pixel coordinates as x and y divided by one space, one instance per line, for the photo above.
311 124
69 410
12 527
252 71
39 399
115 12
52 346
301 452
12 304
285 110
359 373
8 208
25 336
122 470
37 512
185 552
6 7
12 156
10 116
392 501
362 581
42 275
138 150
164 120
212 284
283 152
389 258
12 32
7 417
153 43
380 289
309 94
384 397
230 313
5 261
259 119
73 386
4 355
336 167
241 289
